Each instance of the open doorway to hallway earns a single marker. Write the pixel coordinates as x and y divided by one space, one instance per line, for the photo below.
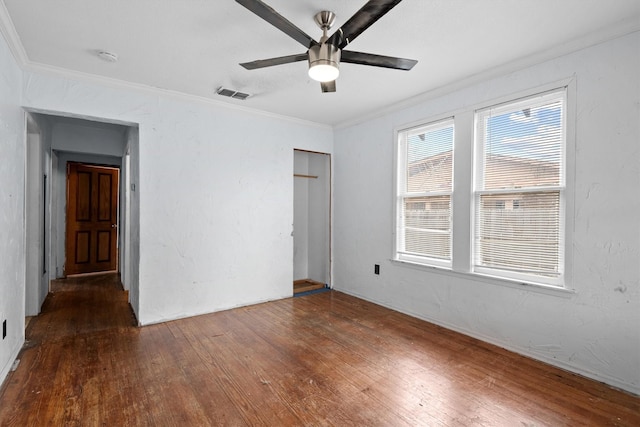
61 141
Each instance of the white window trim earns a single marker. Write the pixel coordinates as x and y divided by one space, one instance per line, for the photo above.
461 201
560 188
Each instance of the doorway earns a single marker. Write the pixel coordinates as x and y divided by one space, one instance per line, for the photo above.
61 138
92 219
312 221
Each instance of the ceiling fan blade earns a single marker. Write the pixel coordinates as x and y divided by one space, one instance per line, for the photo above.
361 20
262 63
377 60
328 86
267 13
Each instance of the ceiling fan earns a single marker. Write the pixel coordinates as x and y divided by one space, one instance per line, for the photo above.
324 56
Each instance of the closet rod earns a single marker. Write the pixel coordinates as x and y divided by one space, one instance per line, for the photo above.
305 176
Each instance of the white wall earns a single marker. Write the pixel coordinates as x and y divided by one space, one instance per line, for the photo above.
33 206
301 216
12 220
319 193
85 136
124 220
132 243
37 222
215 194
595 331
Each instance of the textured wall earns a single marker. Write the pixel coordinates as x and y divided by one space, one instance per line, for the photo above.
87 137
595 331
215 194
12 180
301 217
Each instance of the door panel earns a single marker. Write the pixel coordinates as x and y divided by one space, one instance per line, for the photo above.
92 209
83 197
105 196
104 246
83 243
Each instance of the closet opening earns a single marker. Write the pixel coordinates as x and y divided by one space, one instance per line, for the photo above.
311 222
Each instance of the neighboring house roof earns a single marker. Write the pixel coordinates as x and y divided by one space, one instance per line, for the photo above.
434 173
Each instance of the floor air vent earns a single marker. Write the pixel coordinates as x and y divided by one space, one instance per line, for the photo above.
232 93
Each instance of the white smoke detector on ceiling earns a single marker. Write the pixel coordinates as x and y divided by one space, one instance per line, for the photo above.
107 56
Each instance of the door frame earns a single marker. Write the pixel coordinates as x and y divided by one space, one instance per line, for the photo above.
37 217
329 183
59 194
129 203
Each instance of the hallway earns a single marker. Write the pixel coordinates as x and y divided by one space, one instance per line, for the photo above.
71 350
322 359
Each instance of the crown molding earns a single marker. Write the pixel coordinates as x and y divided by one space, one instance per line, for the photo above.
621 29
17 49
44 69
10 34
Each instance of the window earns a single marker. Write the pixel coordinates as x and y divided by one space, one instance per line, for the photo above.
425 184
520 156
501 212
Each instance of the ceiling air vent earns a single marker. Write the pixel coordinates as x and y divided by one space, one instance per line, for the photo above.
232 93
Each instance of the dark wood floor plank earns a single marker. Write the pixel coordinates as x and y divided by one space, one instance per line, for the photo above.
319 388
200 371
379 371
329 353
327 359
237 377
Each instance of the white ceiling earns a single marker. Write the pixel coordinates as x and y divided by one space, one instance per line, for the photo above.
194 46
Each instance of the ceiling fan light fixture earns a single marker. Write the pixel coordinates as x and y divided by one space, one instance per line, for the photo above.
324 72
324 62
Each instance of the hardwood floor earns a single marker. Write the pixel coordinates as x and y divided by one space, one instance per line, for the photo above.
306 285
323 359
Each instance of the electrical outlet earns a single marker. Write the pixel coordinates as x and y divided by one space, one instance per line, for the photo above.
4 328
376 269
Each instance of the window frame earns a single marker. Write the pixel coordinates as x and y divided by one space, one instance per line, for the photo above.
462 214
400 195
478 191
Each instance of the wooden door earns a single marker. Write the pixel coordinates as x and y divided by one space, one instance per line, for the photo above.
92 212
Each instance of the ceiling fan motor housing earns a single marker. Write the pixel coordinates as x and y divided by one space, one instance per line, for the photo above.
324 55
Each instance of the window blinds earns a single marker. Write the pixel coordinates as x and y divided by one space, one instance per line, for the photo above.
519 188
425 192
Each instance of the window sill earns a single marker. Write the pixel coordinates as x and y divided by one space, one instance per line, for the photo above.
514 284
